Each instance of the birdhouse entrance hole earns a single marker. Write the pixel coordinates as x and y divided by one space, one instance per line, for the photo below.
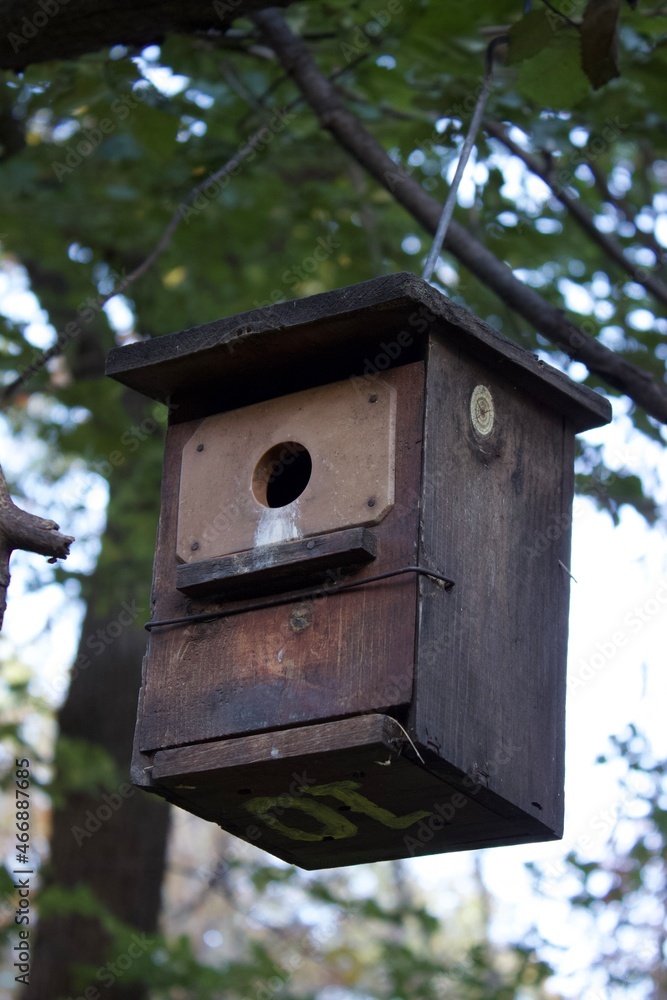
282 474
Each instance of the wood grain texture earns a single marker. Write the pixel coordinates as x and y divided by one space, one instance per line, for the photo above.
201 761
354 788
307 661
222 365
348 432
490 681
272 568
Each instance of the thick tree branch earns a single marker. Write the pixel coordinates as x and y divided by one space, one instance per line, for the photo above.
296 58
21 530
581 215
66 29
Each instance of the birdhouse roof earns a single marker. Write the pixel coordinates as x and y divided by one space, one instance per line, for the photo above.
354 331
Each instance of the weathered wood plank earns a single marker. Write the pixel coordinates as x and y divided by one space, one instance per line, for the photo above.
335 794
489 695
273 568
202 760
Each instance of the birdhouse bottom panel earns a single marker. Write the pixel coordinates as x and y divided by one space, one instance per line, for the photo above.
340 793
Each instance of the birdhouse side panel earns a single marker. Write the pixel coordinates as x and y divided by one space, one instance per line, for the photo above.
498 484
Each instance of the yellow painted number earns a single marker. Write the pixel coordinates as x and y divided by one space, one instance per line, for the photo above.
334 825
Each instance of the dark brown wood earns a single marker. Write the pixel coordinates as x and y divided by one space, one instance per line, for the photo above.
490 687
273 568
40 33
351 331
201 761
306 661
355 788
20 529
275 722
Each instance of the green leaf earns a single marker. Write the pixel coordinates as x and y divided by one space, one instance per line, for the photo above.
530 35
599 41
554 78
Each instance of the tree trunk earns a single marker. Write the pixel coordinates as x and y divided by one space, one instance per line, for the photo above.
113 840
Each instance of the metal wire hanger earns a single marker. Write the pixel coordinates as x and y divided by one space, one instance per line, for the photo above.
450 201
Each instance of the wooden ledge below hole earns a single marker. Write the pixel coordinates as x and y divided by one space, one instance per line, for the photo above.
272 568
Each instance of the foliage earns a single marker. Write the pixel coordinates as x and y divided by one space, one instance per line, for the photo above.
623 891
81 766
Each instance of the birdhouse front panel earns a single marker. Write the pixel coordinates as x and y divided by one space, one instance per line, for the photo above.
308 658
358 641
293 467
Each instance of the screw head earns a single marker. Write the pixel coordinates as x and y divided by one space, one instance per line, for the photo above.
310 545
371 501
200 447
194 546
373 398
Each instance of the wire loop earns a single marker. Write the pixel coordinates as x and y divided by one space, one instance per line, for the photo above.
275 602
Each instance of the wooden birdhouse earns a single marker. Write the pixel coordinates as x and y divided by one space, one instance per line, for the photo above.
358 643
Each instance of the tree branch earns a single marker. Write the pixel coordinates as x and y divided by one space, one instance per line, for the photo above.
56 349
296 58
34 33
229 168
626 210
581 215
21 530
